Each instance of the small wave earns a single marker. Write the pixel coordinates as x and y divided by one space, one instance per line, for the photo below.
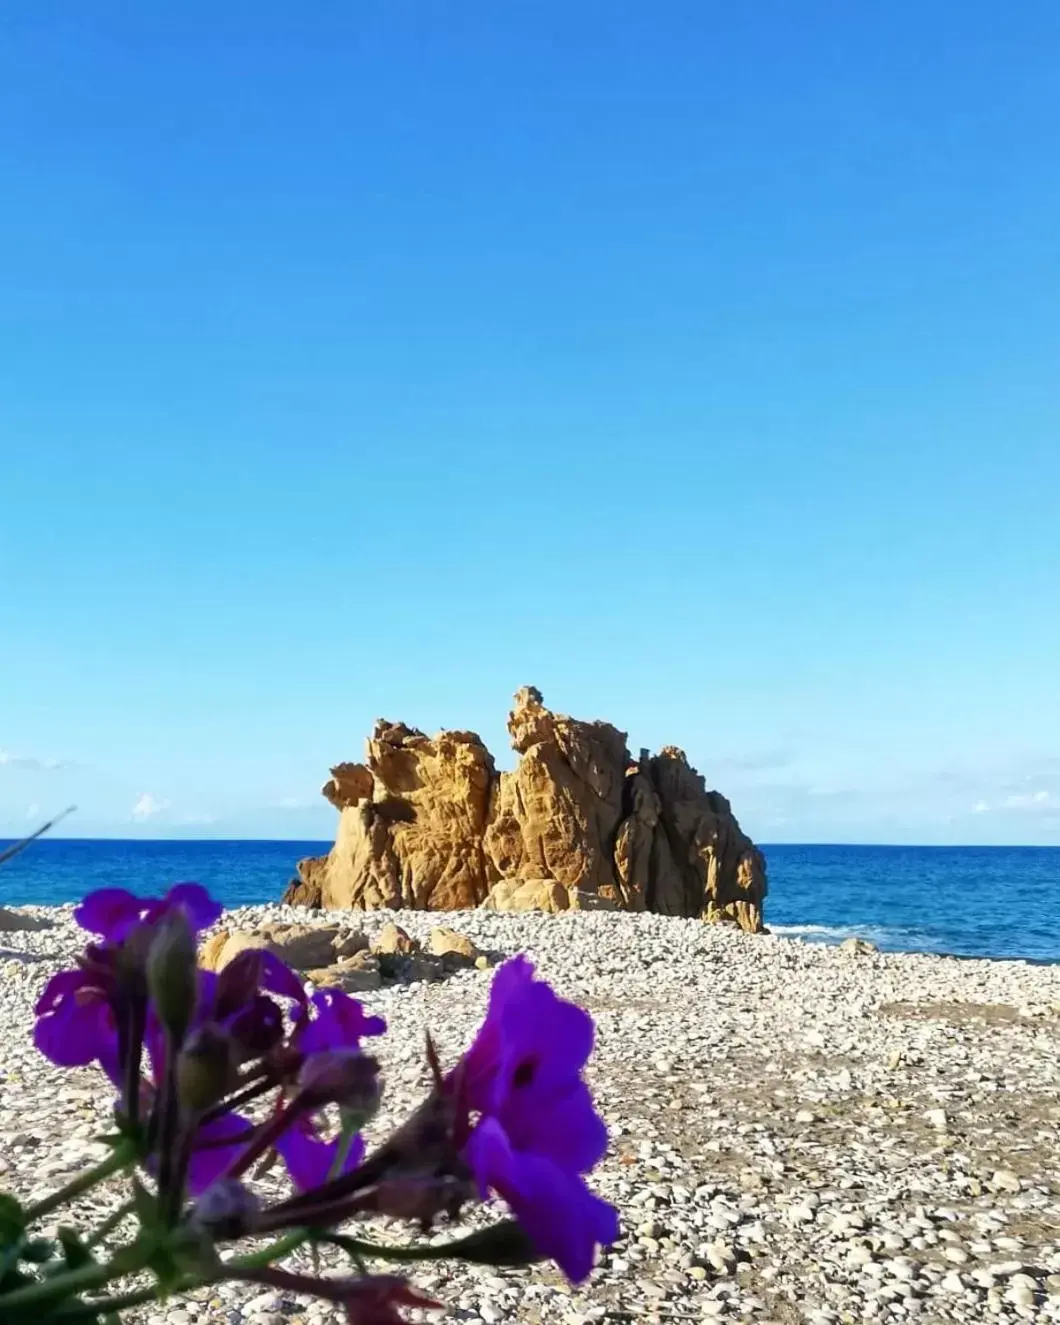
821 931
894 939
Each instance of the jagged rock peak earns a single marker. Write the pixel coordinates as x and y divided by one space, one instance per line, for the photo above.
428 822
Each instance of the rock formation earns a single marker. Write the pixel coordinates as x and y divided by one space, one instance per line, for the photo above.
428 822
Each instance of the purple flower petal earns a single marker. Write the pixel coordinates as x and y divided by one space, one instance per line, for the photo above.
111 912
257 1027
278 978
340 1023
60 986
563 1219
196 903
218 1144
78 1029
564 1127
310 1160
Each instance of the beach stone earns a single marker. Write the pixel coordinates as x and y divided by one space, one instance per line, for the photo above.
392 939
858 947
353 975
452 947
349 943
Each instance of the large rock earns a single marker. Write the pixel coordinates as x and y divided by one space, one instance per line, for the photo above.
427 822
301 946
11 921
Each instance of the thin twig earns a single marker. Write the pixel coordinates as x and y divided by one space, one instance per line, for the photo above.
16 847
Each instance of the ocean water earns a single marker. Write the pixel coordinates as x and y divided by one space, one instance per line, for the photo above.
967 901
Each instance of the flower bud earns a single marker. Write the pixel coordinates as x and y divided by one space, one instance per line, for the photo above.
205 1070
172 974
226 1210
418 1198
340 1076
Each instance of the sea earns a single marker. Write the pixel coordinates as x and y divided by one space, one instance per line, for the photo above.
993 902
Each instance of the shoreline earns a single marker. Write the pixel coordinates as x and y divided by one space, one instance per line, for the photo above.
780 932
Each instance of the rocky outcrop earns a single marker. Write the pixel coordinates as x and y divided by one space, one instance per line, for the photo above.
428 822
307 889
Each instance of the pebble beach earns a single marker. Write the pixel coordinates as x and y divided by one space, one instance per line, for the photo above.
799 1132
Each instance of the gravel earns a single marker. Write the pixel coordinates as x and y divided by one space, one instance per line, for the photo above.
798 1133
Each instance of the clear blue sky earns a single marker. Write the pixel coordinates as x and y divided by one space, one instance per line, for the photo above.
698 363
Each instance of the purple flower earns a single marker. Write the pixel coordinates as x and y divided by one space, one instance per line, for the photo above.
537 1130
340 1023
114 912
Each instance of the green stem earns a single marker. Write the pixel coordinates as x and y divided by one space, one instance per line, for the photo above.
110 1223
58 1285
387 1253
255 1260
120 1158
102 1305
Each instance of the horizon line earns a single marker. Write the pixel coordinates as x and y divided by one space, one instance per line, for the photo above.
762 846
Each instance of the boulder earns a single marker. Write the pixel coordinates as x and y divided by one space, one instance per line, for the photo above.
300 946
454 949
12 921
578 824
354 975
210 952
555 815
393 939
528 895
350 942
216 955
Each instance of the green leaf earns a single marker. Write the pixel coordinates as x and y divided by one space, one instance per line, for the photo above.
500 1244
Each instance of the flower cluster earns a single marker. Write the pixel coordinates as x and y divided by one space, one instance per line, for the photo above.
215 1073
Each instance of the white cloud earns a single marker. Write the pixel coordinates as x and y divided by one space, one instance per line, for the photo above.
291 803
29 764
1031 800
33 811
1021 802
147 807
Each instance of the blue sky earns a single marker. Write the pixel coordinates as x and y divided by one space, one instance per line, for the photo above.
695 362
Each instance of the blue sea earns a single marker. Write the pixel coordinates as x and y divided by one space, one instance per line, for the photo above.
967 901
